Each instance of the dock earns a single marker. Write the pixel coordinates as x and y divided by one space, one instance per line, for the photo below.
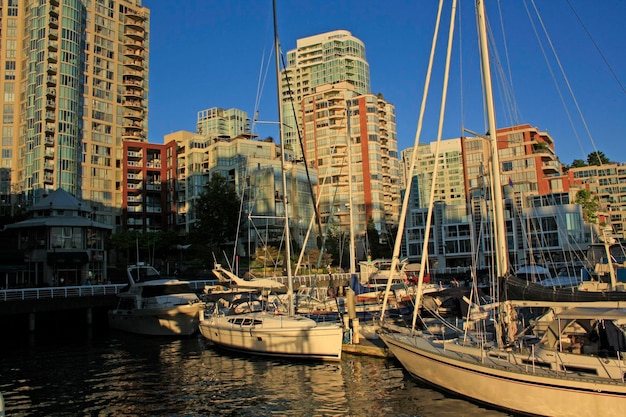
368 347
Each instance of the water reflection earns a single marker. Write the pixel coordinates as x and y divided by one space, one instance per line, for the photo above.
113 374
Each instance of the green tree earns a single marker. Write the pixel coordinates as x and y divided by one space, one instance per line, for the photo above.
589 204
597 158
217 213
578 163
337 246
376 249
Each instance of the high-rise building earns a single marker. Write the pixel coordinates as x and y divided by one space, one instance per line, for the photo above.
215 121
75 80
351 139
328 58
450 184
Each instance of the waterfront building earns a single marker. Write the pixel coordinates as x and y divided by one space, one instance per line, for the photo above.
60 244
450 187
351 139
527 158
607 182
544 224
253 166
327 58
74 76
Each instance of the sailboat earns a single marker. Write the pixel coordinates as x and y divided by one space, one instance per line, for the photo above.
275 333
567 362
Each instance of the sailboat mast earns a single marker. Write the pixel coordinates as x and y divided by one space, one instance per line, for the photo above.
350 207
282 164
502 254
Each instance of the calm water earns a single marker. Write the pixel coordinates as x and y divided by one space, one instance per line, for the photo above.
99 372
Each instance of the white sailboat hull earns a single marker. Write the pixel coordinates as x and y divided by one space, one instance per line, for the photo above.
180 320
275 335
503 383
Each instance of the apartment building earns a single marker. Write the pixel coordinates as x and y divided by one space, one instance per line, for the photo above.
148 186
450 184
254 168
75 83
327 58
608 183
217 121
351 139
544 224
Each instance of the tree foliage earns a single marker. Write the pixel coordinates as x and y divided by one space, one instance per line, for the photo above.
578 163
376 249
589 204
597 158
217 214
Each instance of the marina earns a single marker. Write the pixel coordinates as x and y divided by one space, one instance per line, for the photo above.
99 371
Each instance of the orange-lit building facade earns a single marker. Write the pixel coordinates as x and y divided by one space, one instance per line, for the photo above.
149 186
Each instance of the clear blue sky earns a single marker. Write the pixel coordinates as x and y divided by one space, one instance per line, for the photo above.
207 53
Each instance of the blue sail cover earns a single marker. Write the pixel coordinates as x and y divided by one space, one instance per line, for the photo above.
357 287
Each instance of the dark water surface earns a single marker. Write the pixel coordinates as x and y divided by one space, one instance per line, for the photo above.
100 372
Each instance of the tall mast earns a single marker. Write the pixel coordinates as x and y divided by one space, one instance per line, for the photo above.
350 207
502 254
282 164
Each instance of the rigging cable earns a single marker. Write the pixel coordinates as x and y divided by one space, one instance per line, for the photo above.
597 47
306 165
584 122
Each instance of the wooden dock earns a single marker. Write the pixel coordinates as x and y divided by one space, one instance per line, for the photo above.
368 347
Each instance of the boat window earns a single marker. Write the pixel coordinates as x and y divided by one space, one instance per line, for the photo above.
157 290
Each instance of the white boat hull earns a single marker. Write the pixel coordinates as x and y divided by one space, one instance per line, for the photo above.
168 321
504 384
275 335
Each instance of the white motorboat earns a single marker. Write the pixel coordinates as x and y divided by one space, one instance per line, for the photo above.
568 362
156 306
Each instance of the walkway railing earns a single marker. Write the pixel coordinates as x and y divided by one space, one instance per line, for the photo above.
19 294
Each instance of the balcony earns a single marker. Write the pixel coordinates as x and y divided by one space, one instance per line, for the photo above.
52 68
136 64
136 54
133 115
54 11
49 141
135 104
134 154
50 116
133 33
53 34
132 92
133 75
53 46
49 154
134 20
54 22
51 81
131 134
134 44
50 104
